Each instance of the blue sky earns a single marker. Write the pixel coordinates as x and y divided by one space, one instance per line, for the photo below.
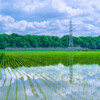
50 17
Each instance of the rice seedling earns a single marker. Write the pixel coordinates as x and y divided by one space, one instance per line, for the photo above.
48 58
46 83
22 79
67 75
9 85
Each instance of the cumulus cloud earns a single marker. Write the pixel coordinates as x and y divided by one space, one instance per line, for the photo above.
50 17
62 6
23 25
49 27
29 5
6 19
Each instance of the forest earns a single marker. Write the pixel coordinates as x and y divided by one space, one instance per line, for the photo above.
26 41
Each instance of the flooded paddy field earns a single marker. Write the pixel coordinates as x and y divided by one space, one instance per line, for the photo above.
45 75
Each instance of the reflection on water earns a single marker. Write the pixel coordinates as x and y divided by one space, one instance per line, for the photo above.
61 78
55 82
71 67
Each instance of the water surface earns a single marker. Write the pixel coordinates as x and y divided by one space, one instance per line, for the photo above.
50 76
57 82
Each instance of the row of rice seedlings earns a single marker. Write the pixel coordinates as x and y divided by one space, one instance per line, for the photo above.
1 63
5 77
77 86
20 62
1 58
32 86
37 85
16 82
22 79
56 75
52 82
16 89
46 83
29 59
35 60
16 63
24 59
12 63
49 79
54 58
6 61
9 85
80 89
24 89
0 66
44 59
40 60
49 76
63 58
78 93
84 90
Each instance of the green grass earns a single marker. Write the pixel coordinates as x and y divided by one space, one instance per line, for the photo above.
42 58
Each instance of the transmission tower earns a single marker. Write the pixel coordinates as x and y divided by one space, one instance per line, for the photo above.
70 34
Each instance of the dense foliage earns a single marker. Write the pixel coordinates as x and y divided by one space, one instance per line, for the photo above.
26 41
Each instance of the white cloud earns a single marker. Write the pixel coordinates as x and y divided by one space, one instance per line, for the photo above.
50 27
23 25
52 16
61 6
29 6
6 19
73 8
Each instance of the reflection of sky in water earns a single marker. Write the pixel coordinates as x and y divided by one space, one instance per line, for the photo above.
80 82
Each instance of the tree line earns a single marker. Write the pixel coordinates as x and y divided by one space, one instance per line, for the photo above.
25 41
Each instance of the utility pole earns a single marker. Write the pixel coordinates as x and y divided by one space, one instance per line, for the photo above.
70 34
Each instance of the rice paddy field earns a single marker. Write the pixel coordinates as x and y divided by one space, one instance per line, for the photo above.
49 75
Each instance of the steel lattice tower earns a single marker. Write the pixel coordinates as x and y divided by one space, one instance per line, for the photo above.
70 34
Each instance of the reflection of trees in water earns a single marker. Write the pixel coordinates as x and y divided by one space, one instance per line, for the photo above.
71 67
